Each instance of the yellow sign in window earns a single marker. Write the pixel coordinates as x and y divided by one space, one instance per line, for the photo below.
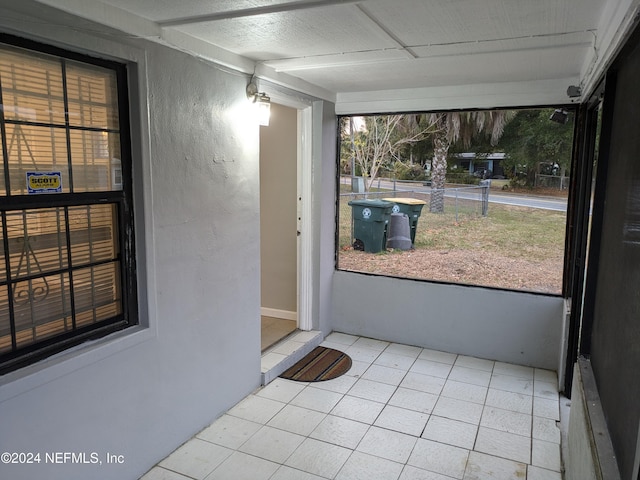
44 182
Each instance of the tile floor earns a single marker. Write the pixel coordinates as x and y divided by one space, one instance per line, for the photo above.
400 413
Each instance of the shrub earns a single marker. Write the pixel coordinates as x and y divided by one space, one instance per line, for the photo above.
409 172
463 178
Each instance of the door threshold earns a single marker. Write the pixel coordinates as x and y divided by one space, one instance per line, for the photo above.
284 354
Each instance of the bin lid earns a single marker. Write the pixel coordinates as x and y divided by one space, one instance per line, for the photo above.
371 203
406 201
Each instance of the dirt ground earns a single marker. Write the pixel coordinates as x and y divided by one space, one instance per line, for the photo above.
475 267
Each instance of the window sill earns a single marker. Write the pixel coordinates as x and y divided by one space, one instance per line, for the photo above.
82 356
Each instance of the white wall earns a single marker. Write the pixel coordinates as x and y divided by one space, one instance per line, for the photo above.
144 391
511 327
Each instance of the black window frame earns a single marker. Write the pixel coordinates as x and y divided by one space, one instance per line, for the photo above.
121 199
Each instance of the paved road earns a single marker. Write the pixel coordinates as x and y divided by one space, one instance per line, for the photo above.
532 201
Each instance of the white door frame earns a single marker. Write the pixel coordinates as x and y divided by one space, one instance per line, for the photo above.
305 225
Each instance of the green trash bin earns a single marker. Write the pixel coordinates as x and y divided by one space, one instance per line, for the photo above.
411 207
370 221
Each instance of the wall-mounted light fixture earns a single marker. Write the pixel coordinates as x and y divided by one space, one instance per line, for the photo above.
559 116
574 91
262 101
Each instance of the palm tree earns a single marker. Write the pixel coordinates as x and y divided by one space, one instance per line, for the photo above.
453 127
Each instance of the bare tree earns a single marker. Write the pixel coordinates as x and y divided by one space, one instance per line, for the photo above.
380 138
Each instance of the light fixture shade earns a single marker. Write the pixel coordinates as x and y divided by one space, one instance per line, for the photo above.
264 109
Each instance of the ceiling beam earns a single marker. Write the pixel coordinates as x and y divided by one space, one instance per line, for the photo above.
251 12
378 23
463 97
354 59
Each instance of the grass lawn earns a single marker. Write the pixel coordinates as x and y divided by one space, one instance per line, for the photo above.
510 231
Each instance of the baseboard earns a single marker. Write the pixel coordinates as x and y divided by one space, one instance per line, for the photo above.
275 313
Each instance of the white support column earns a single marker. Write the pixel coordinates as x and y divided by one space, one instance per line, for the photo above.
305 223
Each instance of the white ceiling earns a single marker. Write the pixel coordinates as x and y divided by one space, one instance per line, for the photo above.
346 47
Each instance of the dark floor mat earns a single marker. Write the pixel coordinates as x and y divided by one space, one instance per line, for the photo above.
319 365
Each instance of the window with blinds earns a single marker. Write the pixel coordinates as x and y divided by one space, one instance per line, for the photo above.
66 241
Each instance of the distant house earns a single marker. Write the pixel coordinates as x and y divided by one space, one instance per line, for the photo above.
479 163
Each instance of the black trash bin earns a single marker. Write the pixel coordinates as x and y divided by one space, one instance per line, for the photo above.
370 221
411 207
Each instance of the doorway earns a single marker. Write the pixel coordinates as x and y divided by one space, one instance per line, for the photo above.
279 225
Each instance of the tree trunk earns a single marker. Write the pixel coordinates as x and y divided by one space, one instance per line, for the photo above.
438 173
